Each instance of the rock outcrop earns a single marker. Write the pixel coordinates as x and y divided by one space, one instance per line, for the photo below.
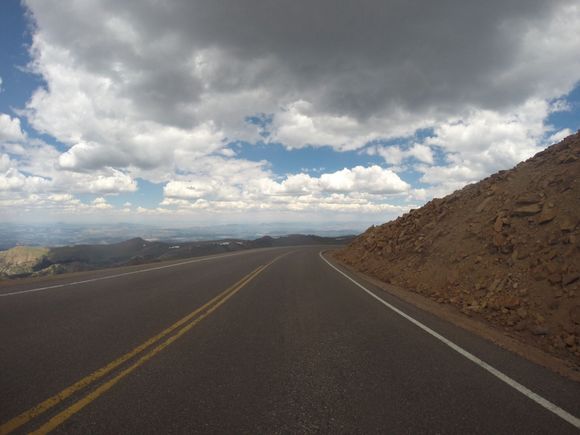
22 260
506 250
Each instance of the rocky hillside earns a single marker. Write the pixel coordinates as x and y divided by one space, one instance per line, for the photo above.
505 250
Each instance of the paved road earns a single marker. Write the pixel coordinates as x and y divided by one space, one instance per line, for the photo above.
267 341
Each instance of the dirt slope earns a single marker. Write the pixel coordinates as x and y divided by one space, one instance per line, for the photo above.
506 250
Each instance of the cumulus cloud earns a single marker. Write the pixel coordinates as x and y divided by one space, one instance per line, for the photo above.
359 179
22 205
10 130
330 75
362 189
5 163
164 90
34 168
395 154
486 141
61 197
373 180
101 203
13 180
114 183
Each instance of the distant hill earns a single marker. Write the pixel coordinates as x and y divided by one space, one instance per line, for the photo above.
505 250
62 233
22 261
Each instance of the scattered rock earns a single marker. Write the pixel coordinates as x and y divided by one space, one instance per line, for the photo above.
527 210
528 198
568 158
547 215
558 343
539 330
481 207
499 240
570 278
567 224
510 301
498 225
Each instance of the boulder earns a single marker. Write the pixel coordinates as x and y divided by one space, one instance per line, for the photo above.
526 210
567 224
547 215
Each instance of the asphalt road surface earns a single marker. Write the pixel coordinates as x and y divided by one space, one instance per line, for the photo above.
265 341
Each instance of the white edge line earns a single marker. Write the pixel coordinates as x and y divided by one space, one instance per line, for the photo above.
118 275
574 421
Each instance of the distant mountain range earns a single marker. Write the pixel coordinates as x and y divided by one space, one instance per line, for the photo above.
22 261
60 234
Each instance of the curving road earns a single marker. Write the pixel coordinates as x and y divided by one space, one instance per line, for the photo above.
265 341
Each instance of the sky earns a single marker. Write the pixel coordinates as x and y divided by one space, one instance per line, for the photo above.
194 112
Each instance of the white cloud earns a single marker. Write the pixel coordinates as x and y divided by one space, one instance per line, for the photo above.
5 162
104 128
195 189
35 169
187 84
298 125
162 91
485 142
13 180
101 203
115 183
422 153
62 206
61 197
514 133
559 135
10 130
373 179
395 155
356 190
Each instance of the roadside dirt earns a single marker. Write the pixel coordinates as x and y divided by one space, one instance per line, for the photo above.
504 251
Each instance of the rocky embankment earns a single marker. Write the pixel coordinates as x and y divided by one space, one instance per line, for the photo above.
505 250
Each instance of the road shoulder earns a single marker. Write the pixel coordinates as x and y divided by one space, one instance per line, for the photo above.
456 317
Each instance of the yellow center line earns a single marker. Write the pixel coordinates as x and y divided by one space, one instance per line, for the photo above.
34 412
61 417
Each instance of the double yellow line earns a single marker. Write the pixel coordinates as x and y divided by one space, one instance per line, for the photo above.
175 331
